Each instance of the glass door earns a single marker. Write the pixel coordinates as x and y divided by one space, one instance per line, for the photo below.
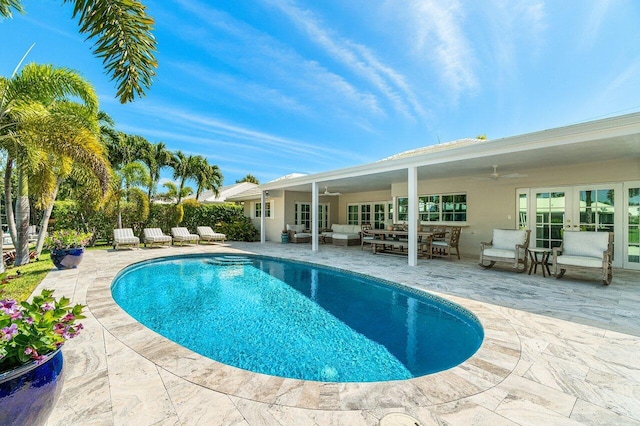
631 205
379 216
550 218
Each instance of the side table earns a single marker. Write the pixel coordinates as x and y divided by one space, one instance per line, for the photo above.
543 261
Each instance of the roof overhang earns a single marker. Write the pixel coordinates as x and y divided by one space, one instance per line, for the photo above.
595 141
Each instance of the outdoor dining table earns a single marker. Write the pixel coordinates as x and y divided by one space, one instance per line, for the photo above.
392 238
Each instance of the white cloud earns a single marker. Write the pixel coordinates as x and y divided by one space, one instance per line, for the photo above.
437 31
593 22
357 57
279 65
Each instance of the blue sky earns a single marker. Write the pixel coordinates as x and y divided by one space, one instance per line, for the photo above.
271 87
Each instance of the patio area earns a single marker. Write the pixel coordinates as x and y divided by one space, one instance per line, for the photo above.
555 352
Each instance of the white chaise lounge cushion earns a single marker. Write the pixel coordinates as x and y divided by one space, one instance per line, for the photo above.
506 239
155 235
585 244
206 233
125 236
182 234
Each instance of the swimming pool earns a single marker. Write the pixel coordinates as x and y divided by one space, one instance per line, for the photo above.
297 320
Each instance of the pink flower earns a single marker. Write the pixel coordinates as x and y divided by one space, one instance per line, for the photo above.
59 328
46 307
7 333
68 317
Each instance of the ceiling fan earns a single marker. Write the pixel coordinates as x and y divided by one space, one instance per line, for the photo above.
326 192
495 175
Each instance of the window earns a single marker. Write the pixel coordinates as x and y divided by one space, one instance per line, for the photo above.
303 214
429 208
436 208
365 213
403 209
352 215
257 210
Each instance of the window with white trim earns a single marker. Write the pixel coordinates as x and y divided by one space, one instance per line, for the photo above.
257 210
302 215
436 208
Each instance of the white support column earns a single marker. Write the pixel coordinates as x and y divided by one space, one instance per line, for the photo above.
263 220
314 216
412 180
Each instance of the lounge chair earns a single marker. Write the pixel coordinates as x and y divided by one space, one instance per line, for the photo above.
584 250
209 235
180 235
507 245
125 237
156 236
298 234
444 247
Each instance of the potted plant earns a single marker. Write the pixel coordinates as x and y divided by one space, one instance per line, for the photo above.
31 337
67 247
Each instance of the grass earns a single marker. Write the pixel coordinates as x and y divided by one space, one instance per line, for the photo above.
22 280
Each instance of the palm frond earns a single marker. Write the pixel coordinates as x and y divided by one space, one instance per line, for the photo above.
124 41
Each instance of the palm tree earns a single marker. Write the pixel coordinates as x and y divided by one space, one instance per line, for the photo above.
36 122
206 176
173 193
249 178
123 40
183 169
155 156
126 189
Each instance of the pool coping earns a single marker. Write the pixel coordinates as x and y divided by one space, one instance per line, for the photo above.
494 361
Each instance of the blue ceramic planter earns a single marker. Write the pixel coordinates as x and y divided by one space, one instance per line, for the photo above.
29 392
68 258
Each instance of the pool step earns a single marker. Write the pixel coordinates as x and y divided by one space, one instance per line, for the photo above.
229 260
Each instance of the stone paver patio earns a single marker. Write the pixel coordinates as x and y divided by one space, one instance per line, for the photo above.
555 352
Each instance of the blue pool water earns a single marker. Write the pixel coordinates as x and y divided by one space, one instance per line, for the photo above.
297 320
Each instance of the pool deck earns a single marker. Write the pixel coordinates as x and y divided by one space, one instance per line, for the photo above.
555 352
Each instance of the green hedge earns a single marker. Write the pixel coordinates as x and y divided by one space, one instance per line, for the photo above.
226 218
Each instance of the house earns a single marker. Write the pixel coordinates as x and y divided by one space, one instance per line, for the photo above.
225 192
580 177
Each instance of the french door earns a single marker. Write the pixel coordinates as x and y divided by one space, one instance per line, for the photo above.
549 212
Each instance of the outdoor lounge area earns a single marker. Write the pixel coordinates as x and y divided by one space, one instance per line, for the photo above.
555 352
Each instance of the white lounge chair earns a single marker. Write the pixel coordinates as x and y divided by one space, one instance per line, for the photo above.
584 250
298 234
507 245
209 235
125 237
156 236
180 235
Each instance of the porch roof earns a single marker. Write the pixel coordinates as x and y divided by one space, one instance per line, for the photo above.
595 141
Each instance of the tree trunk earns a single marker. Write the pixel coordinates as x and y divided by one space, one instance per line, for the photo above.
44 223
22 219
8 203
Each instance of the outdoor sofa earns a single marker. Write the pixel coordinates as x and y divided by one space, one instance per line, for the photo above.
343 235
